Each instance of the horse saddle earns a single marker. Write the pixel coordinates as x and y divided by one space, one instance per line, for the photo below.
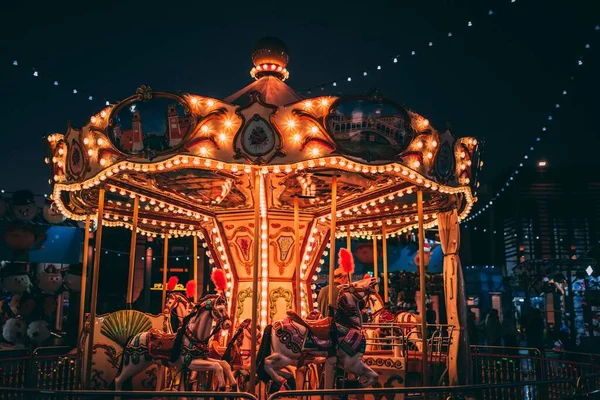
318 330
160 344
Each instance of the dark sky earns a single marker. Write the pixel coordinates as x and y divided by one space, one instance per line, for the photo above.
498 79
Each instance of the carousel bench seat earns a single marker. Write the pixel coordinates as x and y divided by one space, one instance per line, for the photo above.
320 328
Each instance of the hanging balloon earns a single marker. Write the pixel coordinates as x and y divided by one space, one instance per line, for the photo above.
51 212
14 331
72 279
15 279
427 252
50 280
23 205
38 331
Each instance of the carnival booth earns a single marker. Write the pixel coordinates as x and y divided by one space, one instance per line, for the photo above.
266 178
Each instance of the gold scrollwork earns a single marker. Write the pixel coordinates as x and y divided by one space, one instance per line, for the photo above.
278 294
241 297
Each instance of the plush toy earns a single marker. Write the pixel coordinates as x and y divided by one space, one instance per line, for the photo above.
50 280
38 331
23 205
15 279
19 236
15 304
72 278
50 306
51 213
27 307
14 331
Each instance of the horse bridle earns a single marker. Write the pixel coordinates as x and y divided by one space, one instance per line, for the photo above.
207 305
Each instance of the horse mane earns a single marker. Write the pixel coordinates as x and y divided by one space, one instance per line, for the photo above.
180 333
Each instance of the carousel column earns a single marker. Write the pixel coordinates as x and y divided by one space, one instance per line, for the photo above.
195 267
297 253
375 261
422 289
330 368
386 292
165 268
349 241
84 274
94 294
148 275
256 249
332 257
132 248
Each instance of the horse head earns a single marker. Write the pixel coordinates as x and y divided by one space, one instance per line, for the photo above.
216 304
352 298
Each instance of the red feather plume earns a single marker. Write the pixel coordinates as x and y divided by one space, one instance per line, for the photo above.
173 281
346 261
190 289
219 279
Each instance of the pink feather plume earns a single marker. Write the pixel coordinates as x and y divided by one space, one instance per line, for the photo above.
190 289
219 279
346 261
173 281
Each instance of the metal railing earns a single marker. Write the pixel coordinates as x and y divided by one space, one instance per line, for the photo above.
49 368
36 394
498 392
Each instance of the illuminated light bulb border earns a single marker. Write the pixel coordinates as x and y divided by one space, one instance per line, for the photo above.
264 251
340 163
220 249
316 233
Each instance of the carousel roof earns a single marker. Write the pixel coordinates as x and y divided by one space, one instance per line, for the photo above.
189 158
271 90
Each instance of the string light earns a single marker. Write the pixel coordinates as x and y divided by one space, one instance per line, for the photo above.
394 59
37 74
511 178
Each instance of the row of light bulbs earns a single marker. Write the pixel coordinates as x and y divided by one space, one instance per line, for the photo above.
175 161
264 252
221 251
526 157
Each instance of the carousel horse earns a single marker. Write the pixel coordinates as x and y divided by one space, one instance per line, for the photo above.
177 305
188 348
237 353
408 326
339 339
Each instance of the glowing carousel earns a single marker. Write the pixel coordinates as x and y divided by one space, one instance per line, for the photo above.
265 177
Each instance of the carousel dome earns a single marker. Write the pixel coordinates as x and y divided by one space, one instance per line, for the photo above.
270 57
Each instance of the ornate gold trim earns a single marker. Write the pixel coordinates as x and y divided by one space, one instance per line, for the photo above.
278 294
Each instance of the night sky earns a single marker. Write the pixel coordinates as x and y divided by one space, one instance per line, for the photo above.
497 80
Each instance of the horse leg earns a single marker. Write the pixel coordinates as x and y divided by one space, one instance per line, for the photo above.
207 365
356 366
274 363
129 371
229 374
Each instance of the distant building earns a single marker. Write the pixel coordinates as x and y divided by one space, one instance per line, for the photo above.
545 213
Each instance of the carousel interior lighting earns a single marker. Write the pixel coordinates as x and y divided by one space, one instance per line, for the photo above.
264 251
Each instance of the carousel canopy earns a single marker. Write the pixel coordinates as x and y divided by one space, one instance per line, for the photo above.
190 158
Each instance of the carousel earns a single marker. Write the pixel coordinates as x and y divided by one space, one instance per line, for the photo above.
267 179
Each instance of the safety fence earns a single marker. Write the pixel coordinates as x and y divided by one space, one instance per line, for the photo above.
51 368
495 365
471 392
34 394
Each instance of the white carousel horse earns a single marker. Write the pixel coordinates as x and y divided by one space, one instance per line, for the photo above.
188 348
339 339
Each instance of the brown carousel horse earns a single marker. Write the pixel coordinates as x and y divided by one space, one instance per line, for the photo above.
177 305
188 348
340 339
